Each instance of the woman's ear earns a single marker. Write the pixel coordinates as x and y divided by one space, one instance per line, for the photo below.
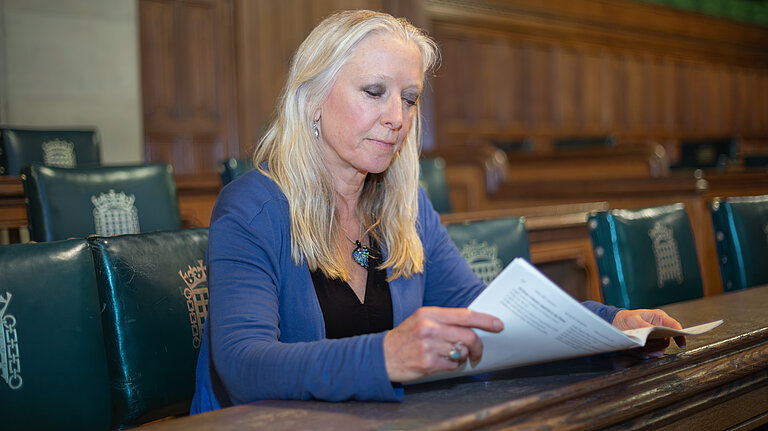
317 116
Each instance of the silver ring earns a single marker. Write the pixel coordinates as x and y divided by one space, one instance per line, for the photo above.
455 353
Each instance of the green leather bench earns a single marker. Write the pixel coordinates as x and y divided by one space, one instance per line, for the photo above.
107 200
490 245
101 333
741 238
67 148
154 293
53 369
645 257
432 179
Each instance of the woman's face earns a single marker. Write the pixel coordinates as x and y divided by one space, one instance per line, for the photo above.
369 110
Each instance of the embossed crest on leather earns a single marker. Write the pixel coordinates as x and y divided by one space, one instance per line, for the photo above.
59 153
196 291
115 214
646 257
666 254
483 259
10 360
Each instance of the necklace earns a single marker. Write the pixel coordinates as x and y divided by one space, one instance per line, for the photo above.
360 254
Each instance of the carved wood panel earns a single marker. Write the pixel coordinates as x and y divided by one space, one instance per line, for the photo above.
520 68
188 85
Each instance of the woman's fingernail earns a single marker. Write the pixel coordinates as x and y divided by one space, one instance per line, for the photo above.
497 325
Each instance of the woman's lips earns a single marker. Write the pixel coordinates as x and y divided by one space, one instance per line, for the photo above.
382 143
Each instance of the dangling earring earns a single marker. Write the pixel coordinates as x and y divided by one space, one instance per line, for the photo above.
315 130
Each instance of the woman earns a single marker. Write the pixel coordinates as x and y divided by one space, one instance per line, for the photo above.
330 275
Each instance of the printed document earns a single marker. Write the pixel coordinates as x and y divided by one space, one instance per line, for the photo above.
543 323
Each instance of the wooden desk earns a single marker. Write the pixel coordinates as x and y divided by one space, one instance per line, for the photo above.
720 381
13 209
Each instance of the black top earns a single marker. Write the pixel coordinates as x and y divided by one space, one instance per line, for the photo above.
343 313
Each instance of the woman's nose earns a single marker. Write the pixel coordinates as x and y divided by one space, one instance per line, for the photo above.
392 117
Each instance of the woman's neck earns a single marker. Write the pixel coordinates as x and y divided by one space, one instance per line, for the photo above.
348 188
348 217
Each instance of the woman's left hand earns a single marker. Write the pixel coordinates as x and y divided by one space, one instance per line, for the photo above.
631 319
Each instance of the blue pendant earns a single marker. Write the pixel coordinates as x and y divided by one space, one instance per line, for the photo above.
360 254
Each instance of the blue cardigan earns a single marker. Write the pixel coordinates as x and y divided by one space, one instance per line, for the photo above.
264 336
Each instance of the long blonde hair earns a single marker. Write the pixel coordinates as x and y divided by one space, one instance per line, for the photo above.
389 201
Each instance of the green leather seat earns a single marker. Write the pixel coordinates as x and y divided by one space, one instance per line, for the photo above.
108 200
66 148
646 257
233 168
53 368
154 291
432 180
490 245
741 236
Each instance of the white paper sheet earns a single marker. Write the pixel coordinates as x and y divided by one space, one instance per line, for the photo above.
543 323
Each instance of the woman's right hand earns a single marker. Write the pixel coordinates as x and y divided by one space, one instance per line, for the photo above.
419 345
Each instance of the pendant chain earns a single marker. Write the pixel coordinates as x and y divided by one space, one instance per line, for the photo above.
360 254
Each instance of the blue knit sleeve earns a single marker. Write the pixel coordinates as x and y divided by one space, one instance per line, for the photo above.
606 312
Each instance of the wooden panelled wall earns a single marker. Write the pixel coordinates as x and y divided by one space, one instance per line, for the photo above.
188 84
529 69
212 71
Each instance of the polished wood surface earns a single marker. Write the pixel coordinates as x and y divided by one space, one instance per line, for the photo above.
13 209
197 195
629 161
719 381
